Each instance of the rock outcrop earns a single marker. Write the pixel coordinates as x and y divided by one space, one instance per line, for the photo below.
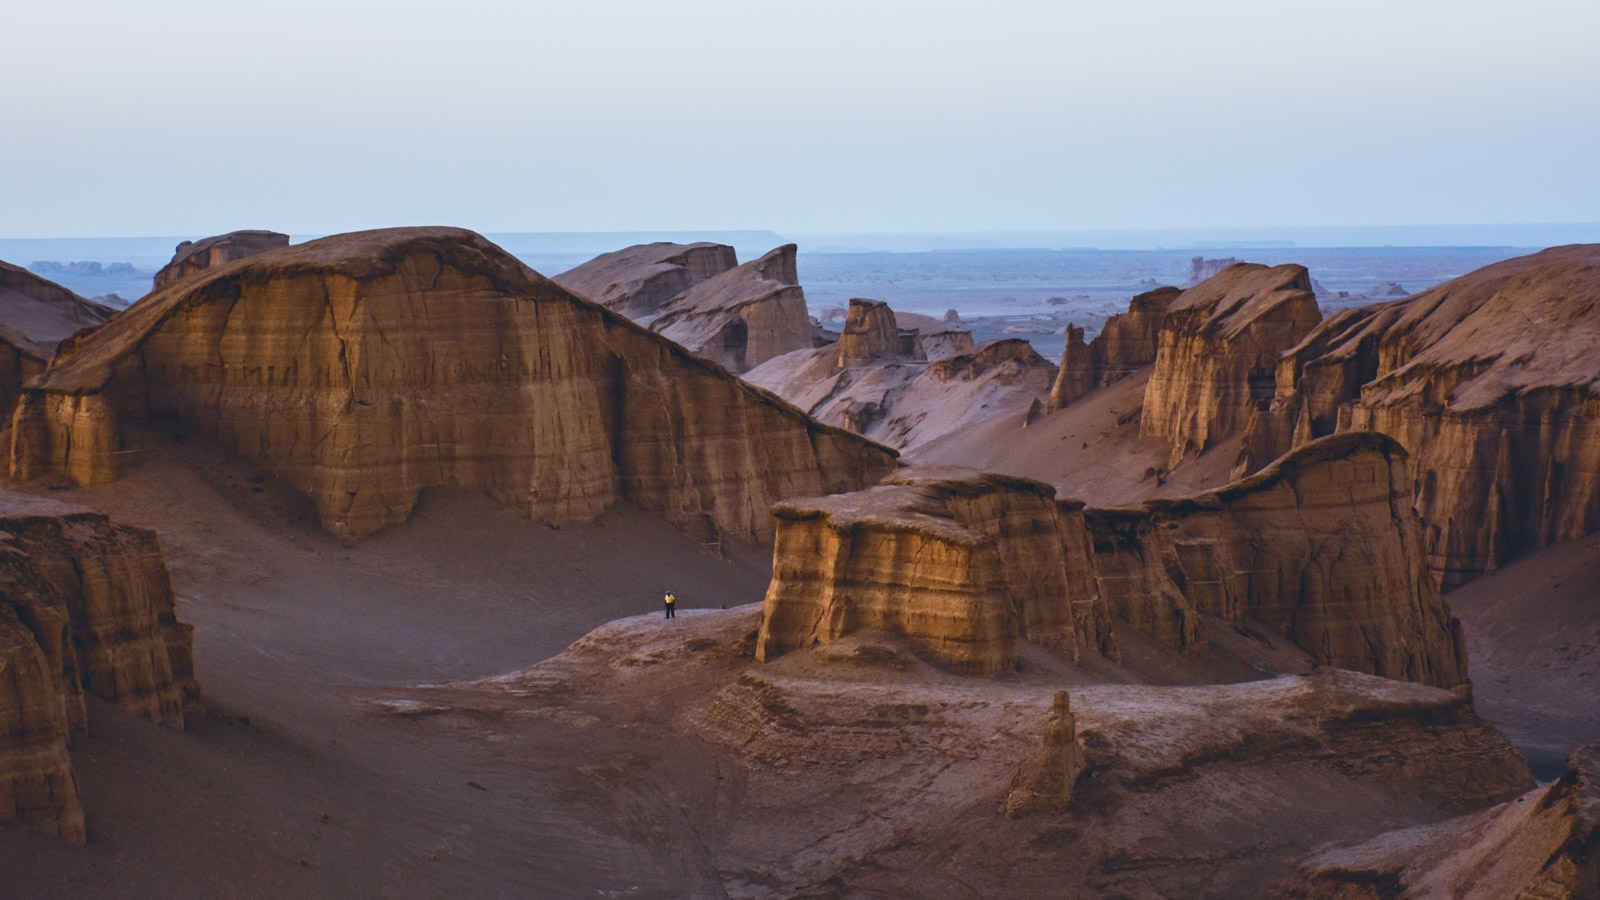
1126 344
1201 268
1489 380
191 257
1322 547
86 606
1545 845
637 281
1218 356
744 316
877 380
365 367
36 315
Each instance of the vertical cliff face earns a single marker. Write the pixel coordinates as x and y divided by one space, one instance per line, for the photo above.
365 367
1490 381
86 606
1219 351
1127 343
744 316
870 332
1322 547
36 315
192 257
637 281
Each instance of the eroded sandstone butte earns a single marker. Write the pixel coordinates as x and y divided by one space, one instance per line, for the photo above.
36 315
637 281
1126 344
191 257
1489 380
878 380
85 605
1323 547
742 317
1217 359
362 368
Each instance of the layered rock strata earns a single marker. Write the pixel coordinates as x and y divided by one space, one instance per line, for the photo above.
1322 547
1489 380
86 606
744 316
365 367
191 257
1126 344
1217 360
637 281
1545 845
36 315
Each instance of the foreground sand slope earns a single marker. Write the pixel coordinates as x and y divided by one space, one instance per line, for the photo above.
365 367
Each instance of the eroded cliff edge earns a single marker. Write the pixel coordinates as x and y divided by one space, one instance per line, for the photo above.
1322 547
85 605
364 367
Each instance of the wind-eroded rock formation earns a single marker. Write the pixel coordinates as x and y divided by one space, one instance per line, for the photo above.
1544 845
637 281
1489 380
84 605
1322 547
1217 360
364 367
36 315
878 380
1126 344
191 257
742 317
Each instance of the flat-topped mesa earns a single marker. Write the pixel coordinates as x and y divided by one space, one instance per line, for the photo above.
1126 344
870 332
191 257
637 281
36 315
364 367
744 316
1220 345
1490 380
1322 547
962 563
85 605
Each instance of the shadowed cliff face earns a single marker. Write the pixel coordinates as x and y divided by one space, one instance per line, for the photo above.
1322 547
1127 343
84 605
742 317
36 315
1218 354
191 257
637 281
364 367
1489 382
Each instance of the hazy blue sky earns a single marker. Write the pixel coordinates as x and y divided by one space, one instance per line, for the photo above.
170 117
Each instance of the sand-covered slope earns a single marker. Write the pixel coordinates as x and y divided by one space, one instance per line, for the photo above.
1490 381
637 281
744 316
191 257
1322 547
36 315
365 367
878 380
85 606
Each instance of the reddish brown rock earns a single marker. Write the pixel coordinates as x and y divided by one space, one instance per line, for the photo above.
365 367
1219 350
744 316
870 332
1127 343
191 257
637 281
35 317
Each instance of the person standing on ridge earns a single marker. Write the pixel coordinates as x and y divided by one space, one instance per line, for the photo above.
671 603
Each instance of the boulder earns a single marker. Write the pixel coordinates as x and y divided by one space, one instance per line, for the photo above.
637 281
362 368
196 256
742 317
